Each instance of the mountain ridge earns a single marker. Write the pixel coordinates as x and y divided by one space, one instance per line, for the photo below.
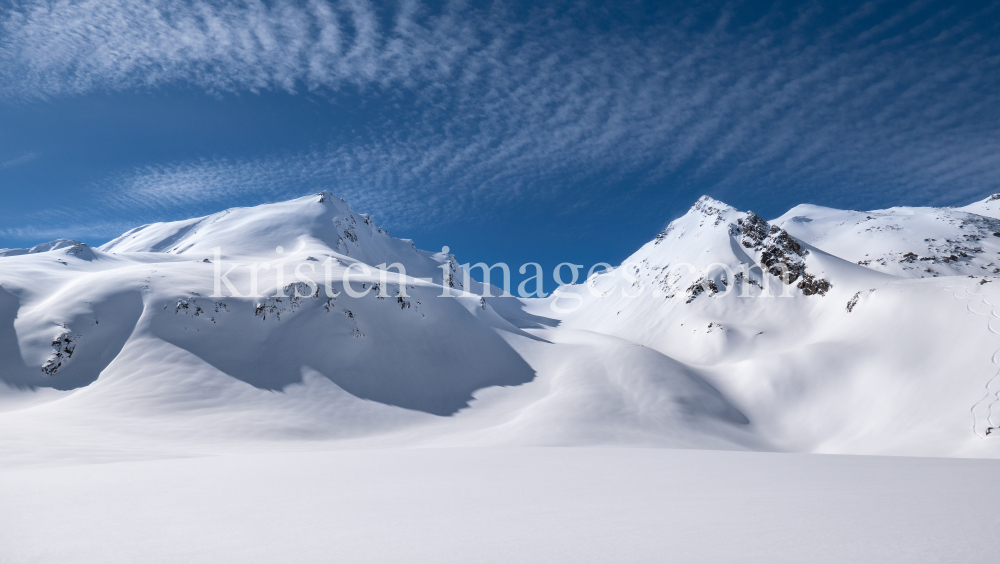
700 339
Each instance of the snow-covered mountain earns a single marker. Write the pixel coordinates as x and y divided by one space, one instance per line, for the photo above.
861 354
42 248
819 331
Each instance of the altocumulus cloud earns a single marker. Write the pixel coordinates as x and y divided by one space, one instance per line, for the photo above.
505 104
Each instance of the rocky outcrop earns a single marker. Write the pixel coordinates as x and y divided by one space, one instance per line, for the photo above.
778 253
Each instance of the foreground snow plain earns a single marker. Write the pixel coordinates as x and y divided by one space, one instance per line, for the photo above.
545 504
144 419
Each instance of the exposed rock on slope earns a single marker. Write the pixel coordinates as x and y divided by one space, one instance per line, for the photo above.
779 253
714 249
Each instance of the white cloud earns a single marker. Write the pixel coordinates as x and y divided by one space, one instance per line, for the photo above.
18 160
85 231
507 108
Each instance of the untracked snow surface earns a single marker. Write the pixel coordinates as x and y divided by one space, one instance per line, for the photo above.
504 505
213 390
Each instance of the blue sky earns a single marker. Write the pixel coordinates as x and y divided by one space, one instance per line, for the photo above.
508 131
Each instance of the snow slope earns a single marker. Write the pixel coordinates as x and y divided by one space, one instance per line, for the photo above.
575 505
820 331
987 207
905 242
269 418
861 359
124 346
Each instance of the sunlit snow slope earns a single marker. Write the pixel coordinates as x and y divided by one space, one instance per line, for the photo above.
820 331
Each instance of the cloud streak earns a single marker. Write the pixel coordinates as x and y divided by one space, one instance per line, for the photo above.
508 106
18 160
99 231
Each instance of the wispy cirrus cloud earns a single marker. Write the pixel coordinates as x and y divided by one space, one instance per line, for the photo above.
97 231
18 160
66 48
501 105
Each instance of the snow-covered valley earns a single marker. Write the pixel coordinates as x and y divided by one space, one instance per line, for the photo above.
237 336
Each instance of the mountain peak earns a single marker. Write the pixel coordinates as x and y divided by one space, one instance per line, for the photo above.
709 205
327 196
